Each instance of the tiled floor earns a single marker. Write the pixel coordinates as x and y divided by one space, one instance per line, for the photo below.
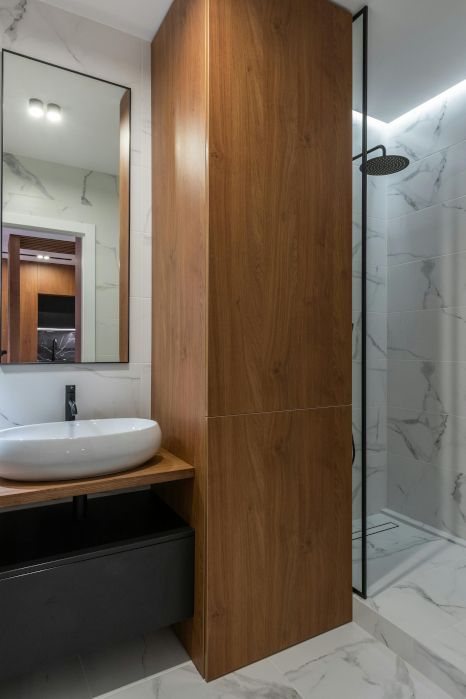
346 663
417 600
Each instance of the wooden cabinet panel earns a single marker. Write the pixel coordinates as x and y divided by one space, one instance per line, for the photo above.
55 279
280 205
179 315
251 124
279 532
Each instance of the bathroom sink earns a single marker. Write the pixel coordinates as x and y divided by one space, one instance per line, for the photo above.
82 449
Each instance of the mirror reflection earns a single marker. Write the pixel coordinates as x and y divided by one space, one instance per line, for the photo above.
65 216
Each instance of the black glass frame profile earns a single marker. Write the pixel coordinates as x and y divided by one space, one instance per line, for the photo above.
362 15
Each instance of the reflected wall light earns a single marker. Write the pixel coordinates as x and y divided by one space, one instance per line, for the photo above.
36 108
54 113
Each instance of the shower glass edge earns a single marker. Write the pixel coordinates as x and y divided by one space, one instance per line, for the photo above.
359 119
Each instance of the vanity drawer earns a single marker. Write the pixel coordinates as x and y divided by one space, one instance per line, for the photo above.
93 598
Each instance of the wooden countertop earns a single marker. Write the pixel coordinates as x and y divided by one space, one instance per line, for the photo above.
162 468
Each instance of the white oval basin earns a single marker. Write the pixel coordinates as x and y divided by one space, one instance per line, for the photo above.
82 449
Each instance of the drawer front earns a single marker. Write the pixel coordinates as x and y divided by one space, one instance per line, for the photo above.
74 607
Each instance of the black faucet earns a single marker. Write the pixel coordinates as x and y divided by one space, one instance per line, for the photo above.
71 409
54 349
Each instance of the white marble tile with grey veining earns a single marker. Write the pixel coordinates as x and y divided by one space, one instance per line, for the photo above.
437 439
349 662
416 602
429 335
392 548
376 196
428 492
431 127
376 383
433 387
376 338
259 680
442 657
432 232
432 283
376 249
376 289
438 178
103 391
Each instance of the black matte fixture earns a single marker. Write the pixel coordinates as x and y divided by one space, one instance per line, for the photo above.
71 409
383 164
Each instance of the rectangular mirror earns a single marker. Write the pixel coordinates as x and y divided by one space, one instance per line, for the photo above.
65 215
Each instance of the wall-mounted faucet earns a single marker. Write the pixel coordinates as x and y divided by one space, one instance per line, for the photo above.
71 409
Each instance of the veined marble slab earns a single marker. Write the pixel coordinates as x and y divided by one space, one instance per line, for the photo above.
437 230
349 663
434 334
437 178
438 282
417 602
432 127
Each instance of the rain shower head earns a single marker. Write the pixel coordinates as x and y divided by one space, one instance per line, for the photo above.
383 164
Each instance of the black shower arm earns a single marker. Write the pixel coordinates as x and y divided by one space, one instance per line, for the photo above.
384 151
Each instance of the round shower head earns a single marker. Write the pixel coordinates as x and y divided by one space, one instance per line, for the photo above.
385 165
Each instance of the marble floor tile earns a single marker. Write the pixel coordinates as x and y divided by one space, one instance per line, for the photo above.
448 652
348 662
417 602
262 680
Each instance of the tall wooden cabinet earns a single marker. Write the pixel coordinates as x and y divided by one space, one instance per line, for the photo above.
252 313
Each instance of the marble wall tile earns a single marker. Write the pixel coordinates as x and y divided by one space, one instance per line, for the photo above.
376 196
428 493
376 338
431 335
376 383
376 243
376 460
431 232
140 266
431 127
376 289
140 336
41 31
435 179
437 439
434 387
431 283
35 394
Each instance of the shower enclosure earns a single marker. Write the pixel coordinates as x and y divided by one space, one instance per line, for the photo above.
409 375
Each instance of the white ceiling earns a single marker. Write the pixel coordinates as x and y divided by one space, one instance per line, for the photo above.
141 18
88 137
417 49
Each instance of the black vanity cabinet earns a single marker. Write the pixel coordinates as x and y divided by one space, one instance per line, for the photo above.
67 586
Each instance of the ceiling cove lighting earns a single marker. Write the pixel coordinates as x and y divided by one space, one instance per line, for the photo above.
36 108
54 113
